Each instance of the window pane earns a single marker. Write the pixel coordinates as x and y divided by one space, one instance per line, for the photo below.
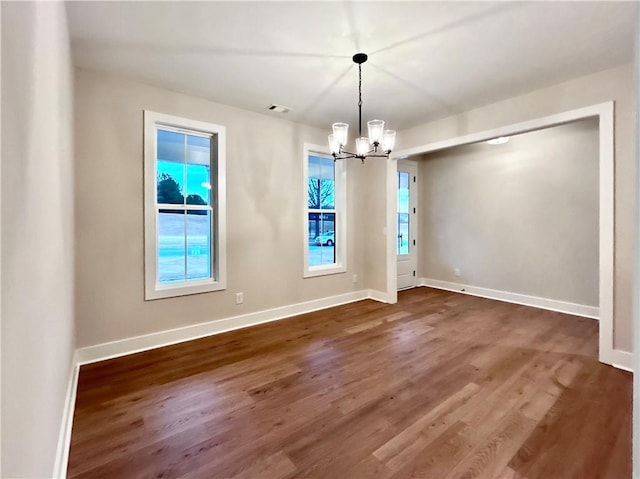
170 146
322 238
171 237
403 233
170 167
327 188
321 183
198 244
403 192
198 170
313 187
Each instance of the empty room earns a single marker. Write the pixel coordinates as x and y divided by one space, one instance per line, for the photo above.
277 240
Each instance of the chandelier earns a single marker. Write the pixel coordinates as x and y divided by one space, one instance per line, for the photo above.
366 147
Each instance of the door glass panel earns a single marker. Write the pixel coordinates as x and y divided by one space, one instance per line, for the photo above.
403 212
403 192
403 233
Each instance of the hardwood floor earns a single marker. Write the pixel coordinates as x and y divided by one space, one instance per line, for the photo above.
440 385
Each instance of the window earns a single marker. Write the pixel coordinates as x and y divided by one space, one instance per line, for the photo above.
184 163
324 215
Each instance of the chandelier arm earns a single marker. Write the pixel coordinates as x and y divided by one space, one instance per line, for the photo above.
344 156
376 155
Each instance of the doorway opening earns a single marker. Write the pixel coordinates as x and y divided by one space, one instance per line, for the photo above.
604 114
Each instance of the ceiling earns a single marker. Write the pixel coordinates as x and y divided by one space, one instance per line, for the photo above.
427 60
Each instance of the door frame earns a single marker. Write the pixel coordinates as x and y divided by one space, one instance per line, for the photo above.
605 114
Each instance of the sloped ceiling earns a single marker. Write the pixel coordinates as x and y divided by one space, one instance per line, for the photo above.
427 60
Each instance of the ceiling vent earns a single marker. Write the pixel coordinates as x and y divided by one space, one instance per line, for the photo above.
278 108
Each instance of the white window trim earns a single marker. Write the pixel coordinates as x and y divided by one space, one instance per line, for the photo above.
340 197
153 290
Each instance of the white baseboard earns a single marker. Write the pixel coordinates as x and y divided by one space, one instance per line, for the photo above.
618 359
378 296
64 438
100 352
535 301
137 344
615 357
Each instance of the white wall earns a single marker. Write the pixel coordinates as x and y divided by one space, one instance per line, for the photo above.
520 217
636 262
37 234
615 84
264 211
373 221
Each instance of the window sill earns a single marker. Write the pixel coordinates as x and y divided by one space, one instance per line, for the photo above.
324 270
183 289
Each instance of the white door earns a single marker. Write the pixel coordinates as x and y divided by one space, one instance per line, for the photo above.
406 224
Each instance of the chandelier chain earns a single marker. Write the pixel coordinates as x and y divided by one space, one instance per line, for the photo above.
360 99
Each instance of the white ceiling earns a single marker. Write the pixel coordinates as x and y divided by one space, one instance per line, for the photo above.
427 60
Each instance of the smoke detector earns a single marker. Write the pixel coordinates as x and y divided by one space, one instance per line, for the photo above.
278 108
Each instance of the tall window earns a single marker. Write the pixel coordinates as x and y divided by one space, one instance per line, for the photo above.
184 206
325 216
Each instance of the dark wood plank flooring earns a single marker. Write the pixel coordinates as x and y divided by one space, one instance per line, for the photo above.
440 385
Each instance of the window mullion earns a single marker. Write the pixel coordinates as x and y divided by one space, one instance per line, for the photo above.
198 207
178 206
186 212
170 206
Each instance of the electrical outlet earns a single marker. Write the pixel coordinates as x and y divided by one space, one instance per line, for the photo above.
457 272
239 298
355 278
